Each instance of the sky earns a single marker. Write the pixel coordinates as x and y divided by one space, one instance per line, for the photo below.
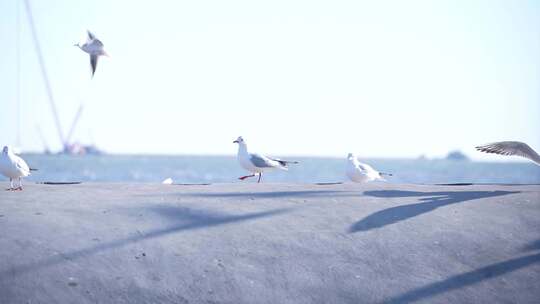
313 78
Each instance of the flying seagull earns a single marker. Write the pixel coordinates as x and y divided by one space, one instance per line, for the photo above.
257 163
94 47
361 173
511 148
14 167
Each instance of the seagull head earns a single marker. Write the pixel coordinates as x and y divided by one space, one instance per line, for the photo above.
351 156
5 150
239 140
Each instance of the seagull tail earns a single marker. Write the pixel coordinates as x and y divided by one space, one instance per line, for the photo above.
385 174
34 169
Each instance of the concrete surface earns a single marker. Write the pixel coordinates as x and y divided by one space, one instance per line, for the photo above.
270 243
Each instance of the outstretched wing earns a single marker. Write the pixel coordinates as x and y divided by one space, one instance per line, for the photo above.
511 148
90 35
97 43
93 63
92 40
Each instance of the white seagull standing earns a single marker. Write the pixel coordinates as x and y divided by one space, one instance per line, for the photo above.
14 167
361 173
257 163
511 148
94 47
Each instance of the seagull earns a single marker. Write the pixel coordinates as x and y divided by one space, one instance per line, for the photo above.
94 47
14 167
511 148
257 163
361 173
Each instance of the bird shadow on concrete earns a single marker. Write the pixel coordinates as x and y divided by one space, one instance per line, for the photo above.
429 202
274 194
465 279
535 245
180 219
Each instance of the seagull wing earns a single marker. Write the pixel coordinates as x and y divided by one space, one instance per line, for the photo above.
97 43
93 63
283 162
21 165
511 148
92 41
364 167
90 35
261 161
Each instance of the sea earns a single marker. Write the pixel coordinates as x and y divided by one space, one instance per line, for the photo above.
193 169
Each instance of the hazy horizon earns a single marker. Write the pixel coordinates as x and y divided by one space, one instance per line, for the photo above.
490 159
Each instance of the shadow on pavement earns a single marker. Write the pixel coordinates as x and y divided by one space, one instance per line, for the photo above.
276 194
532 246
430 201
185 219
465 279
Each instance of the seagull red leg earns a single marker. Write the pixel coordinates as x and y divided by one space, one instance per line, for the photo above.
244 177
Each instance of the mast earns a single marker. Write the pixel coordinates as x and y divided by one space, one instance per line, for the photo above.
18 73
44 72
74 124
45 146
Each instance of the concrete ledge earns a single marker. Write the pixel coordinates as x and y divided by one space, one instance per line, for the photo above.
270 243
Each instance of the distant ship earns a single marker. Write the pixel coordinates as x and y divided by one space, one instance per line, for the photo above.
80 149
457 155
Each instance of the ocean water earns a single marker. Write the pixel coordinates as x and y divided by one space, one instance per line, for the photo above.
220 169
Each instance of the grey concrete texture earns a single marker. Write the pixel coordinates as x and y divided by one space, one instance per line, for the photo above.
270 243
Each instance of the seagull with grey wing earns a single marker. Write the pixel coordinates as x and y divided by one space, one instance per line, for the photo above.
13 167
360 173
94 47
257 163
511 148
